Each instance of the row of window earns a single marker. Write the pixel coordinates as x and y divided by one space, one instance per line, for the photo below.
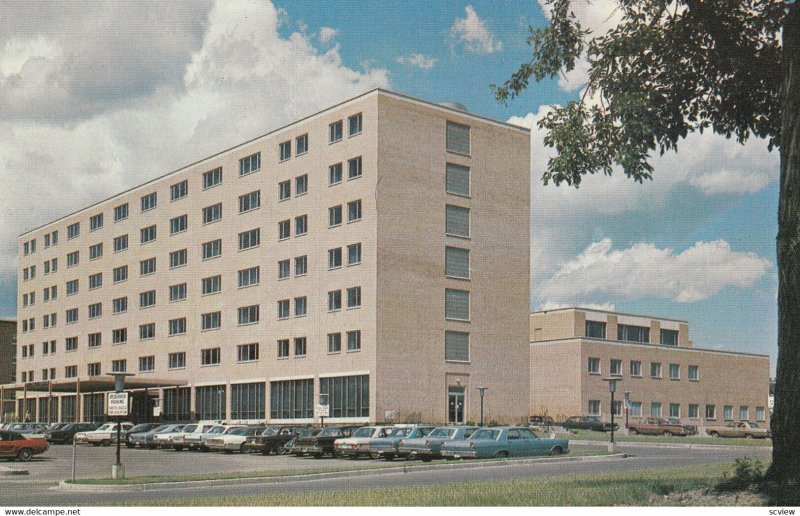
29 247
635 369
631 333
674 410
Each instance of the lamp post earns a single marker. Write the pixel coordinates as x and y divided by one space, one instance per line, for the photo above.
482 392
118 406
612 388
627 408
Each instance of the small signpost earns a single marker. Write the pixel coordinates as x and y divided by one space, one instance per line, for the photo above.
117 404
322 411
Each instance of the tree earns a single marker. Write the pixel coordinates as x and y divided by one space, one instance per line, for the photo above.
667 69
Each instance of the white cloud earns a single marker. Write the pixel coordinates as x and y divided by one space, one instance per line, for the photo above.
644 271
418 60
18 52
735 181
472 33
551 305
326 34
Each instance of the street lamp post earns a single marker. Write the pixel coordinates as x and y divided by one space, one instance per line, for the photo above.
118 470
627 408
612 388
482 392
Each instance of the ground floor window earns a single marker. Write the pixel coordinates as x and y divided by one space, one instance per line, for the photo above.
94 408
177 404
636 409
594 407
68 412
247 401
617 408
210 402
348 396
694 410
292 399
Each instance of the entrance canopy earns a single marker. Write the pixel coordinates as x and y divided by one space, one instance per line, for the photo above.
93 384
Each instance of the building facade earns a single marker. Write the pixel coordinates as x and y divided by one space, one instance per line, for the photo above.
8 365
373 257
662 373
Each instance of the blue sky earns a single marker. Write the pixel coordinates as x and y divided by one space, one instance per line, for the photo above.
102 98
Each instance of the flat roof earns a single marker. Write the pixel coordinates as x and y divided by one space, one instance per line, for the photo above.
8 319
582 309
374 91
647 345
94 384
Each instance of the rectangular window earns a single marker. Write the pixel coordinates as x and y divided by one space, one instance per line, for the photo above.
284 229
72 315
669 337
334 342
147 299
250 164
179 190
55 237
284 267
301 225
655 370
178 224
177 326
631 333
73 230
121 212
120 243
120 274
354 254
292 399
300 347
301 142
71 344
70 371
693 374
212 178
335 132
674 372
596 329
285 150
456 346
96 222
457 179
283 309
711 412
96 280
354 211
211 321
211 285
95 252
119 366
354 168
247 352
301 185
212 249
53 292
594 365
47 267
149 201
760 414
727 412
54 264
348 396
73 258
95 340
354 124
301 266
334 300
354 297
594 407
147 331
147 364
283 348
249 277
95 310
744 413
456 262
456 304
335 258
120 305
457 138
674 410
335 174
636 368
212 213
655 409
334 216
94 369
177 258
148 234
694 411
177 360
147 267
636 409
300 306
249 201
210 356
284 190
248 314
616 367
456 221
119 336
354 340
249 239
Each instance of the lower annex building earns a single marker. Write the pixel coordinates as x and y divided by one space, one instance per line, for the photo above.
374 256
662 373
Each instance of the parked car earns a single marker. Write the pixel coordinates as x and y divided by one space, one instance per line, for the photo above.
322 443
82 437
273 439
744 429
501 442
108 435
136 435
291 446
357 445
388 447
430 446
190 439
14 445
65 434
689 429
656 426
588 423
163 440
201 440
233 439
28 429
541 421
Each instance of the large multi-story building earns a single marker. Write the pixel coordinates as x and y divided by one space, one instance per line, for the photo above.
373 257
662 373
8 365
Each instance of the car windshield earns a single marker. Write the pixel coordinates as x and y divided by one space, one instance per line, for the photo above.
162 429
217 430
140 428
593 419
367 431
486 433
237 431
272 430
330 431
106 426
398 432
442 432
189 428
754 425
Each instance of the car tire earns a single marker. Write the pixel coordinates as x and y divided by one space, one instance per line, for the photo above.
714 434
177 448
95 444
633 431
388 456
556 451
106 442
25 455
501 455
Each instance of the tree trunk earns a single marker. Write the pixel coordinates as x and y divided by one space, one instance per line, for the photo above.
785 428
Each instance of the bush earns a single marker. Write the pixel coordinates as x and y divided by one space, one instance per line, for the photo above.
748 474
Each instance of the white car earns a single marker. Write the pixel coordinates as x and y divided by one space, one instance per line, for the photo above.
357 445
164 439
197 441
189 438
232 439
82 437
106 436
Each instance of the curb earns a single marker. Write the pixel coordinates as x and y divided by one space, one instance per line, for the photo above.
684 446
65 486
8 472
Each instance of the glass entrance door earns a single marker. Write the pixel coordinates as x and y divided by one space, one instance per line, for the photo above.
455 405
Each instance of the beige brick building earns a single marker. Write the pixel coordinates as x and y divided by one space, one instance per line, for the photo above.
374 255
573 349
8 365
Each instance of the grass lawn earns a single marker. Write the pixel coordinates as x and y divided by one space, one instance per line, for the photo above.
589 435
602 489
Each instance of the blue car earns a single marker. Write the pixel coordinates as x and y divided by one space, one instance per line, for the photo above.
430 447
388 447
503 441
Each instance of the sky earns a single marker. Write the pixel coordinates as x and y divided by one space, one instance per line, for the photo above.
98 97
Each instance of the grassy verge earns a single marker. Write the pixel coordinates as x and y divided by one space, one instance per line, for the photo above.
357 465
603 489
588 435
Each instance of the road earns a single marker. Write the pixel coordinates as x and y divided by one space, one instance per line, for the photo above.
38 488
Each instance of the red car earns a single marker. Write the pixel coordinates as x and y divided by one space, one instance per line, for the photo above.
14 445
